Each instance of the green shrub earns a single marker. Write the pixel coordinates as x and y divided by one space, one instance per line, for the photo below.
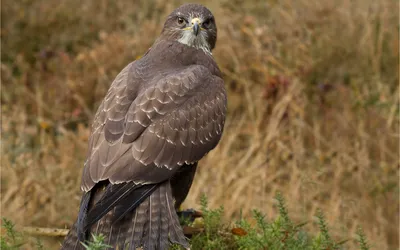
280 233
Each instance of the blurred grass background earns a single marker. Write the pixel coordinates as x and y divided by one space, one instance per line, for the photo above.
313 106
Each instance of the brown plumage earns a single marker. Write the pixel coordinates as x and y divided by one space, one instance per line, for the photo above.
161 115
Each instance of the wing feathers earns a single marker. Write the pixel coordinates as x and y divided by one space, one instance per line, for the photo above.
170 121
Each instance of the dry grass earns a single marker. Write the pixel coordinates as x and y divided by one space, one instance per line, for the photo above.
313 106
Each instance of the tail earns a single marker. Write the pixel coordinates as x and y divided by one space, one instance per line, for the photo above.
153 224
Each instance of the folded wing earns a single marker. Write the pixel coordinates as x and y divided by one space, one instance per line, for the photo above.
146 128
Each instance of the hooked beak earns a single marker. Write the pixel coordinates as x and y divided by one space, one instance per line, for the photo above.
196 25
196 28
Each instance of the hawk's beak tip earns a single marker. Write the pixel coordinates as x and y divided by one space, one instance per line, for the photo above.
196 28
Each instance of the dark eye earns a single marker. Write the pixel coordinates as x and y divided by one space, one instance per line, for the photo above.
207 23
181 20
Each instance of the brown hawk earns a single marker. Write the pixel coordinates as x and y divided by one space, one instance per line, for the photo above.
161 115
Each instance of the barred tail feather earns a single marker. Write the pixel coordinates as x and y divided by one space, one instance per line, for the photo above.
153 224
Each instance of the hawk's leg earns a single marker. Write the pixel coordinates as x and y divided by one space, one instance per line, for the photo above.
181 183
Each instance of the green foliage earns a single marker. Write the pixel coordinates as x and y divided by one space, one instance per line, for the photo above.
362 240
323 240
283 212
213 226
97 243
13 239
280 233
212 218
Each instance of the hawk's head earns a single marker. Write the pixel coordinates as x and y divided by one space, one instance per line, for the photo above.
193 25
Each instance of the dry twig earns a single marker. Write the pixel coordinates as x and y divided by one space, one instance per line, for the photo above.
42 231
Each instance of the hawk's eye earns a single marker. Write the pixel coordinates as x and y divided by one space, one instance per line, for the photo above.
181 20
207 23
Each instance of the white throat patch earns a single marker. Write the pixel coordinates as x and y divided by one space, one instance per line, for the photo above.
198 42
190 39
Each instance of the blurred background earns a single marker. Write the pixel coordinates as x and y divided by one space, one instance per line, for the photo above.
313 106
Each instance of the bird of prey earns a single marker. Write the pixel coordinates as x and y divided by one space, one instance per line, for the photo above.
161 115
